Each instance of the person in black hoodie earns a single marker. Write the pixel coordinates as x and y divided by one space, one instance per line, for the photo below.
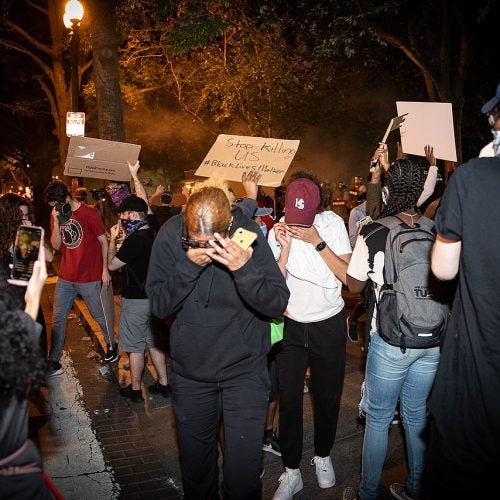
222 297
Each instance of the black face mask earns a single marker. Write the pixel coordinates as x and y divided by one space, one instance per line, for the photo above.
65 212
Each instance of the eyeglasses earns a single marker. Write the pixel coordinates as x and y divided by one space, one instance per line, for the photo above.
187 243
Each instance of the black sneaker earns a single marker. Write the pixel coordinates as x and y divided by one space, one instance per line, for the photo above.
271 443
158 388
54 368
352 330
133 395
111 354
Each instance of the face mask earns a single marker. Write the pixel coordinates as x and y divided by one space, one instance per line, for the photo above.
118 194
65 212
131 226
263 228
496 142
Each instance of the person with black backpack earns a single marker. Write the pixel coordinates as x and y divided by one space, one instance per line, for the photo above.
407 319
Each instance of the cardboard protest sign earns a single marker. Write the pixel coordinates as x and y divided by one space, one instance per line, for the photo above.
231 155
100 159
393 125
428 123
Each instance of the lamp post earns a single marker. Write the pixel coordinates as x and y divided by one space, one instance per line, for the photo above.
73 14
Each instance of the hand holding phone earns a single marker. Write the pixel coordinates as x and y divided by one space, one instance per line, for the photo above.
243 237
29 240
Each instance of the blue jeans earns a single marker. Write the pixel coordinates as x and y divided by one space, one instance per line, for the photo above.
64 297
392 375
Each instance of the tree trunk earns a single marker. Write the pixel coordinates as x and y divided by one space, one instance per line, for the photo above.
106 73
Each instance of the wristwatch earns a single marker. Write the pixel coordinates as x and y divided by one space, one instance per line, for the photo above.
320 246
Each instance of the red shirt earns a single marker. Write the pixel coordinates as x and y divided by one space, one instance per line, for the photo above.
81 260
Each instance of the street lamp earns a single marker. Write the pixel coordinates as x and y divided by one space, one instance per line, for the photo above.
72 16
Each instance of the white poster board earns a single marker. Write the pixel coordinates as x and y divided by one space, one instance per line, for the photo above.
100 159
428 123
231 155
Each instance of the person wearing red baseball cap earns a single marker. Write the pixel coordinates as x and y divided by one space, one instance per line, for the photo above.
312 248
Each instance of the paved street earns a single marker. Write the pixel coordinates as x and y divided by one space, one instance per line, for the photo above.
97 445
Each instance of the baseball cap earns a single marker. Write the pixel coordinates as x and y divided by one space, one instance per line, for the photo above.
302 198
261 211
487 107
133 203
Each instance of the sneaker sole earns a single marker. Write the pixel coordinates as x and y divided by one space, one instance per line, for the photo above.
270 449
348 330
327 485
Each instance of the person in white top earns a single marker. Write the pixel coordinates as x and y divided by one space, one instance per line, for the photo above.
312 250
492 111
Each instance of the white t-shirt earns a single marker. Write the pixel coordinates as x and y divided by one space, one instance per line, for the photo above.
315 292
488 151
364 266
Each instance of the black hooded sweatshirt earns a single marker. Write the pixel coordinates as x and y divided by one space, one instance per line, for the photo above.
221 328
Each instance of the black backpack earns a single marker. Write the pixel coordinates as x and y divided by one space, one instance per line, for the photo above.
412 311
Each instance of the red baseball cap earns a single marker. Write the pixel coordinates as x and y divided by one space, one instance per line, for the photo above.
302 199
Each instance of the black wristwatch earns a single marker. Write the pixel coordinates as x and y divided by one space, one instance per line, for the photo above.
320 246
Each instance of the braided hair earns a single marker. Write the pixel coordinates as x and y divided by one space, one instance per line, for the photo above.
405 181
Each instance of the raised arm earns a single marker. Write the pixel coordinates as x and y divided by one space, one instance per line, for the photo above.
138 187
430 181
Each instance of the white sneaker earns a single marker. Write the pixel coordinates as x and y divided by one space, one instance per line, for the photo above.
324 471
290 483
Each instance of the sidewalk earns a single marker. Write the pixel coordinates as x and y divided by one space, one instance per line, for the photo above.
137 450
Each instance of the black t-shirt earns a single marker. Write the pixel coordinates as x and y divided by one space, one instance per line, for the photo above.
164 212
135 252
466 395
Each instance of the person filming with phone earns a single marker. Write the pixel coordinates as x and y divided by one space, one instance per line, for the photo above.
222 295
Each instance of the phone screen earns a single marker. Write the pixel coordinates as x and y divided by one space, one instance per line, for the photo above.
26 249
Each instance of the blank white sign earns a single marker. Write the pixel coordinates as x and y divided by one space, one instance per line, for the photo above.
428 123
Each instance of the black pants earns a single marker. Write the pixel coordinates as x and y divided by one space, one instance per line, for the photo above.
445 479
321 347
198 406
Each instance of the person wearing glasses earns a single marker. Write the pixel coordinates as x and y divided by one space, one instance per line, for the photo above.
222 297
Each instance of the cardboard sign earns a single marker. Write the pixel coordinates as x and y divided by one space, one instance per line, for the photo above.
428 123
100 159
393 125
231 155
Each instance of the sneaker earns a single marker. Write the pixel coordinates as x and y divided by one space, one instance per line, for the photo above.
133 395
158 388
395 420
350 493
398 491
352 329
324 471
290 483
111 354
271 443
54 368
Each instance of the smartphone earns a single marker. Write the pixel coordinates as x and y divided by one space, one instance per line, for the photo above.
26 250
243 237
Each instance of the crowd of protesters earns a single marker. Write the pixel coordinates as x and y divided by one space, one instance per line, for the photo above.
219 297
